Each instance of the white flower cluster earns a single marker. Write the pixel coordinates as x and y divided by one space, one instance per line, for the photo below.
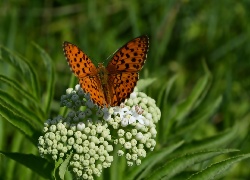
135 125
88 142
90 133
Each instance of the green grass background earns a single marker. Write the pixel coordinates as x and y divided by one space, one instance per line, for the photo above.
188 39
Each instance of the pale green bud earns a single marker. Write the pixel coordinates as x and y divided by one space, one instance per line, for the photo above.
54 157
128 135
84 137
87 130
71 141
115 125
121 132
92 160
96 156
121 141
109 159
127 145
115 141
87 156
61 155
93 132
64 139
133 142
134 132
102 158
99 129
70 132
52 128
85 149
85 162
134 157
49 142
64 149
45 129
134 150
120 153
141 152
138 162
109 148
130 163
76 157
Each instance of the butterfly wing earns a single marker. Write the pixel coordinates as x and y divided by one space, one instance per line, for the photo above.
124 67
85 70
121 85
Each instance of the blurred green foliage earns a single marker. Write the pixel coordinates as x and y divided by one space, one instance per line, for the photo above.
187 40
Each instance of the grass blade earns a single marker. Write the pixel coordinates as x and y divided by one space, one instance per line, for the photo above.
179 164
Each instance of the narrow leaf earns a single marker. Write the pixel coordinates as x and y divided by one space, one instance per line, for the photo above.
23 66
19 88
50 77
19 108
19 122
56 169
179 164
37 164
64 166
217 141
218 169
201 116
185 108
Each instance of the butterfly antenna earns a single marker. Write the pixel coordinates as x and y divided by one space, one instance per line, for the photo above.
111 54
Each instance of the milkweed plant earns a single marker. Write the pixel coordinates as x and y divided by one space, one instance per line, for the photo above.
89 134
136 140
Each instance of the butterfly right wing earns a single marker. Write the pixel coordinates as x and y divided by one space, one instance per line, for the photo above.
86 71
121 86
124 67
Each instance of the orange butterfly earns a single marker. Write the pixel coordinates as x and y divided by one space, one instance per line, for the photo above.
113 84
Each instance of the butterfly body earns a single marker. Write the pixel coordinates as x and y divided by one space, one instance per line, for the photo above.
111 85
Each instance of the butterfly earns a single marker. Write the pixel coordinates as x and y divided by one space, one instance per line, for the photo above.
111 85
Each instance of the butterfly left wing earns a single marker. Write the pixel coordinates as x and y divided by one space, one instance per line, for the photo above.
86 71
92 85
78 61
124 67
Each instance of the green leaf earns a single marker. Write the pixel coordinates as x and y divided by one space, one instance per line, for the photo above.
164 92
152 158
202 115
182 110
143 83
18 88
179 164
193 100
56 169
37 164
19 108
50 77
19 122
24 94
218 169
217 141
64 166
23 66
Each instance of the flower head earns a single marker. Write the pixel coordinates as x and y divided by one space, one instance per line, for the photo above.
85 132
